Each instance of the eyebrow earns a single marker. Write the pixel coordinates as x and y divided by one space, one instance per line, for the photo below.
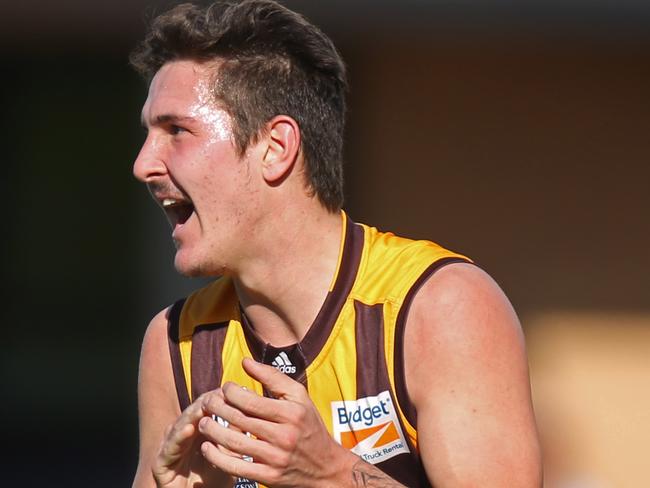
166 119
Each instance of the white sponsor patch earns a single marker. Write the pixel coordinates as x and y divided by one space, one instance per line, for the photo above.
369 427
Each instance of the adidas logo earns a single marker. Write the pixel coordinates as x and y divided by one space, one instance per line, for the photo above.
283 364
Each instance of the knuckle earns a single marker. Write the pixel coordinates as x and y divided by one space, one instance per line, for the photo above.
236 442
163 453
282 460
288 441
274 476
299 413
211 403
204 398
227 387
173 431
250 404
237 418
233 468
160 455
291 439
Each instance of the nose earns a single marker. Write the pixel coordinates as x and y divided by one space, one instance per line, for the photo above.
149 164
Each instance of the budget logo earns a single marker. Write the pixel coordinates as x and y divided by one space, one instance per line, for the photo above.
369 427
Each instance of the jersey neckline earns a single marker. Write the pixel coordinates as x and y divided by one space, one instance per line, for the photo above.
321 328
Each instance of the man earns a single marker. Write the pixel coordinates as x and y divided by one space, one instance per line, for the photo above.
328 354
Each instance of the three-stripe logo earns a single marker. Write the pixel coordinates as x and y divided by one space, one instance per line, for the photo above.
283 363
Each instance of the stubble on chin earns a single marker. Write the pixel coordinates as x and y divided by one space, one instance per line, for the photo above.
199 269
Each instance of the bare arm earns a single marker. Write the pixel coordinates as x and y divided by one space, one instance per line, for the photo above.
467 375
157 404
169 440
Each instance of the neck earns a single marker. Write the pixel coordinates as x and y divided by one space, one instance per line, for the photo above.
283 287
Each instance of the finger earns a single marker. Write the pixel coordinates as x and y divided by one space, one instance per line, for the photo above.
194 413
236 466
277 383
174 448
180 435
238 420
239 443
253 406
178 441
214 404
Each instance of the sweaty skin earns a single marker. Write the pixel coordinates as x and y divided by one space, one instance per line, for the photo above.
211 116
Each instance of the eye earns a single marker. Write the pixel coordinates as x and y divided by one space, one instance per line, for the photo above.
175 129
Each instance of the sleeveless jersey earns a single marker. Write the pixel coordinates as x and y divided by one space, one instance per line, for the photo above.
350 360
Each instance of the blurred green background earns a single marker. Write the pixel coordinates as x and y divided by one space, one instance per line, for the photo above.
516 133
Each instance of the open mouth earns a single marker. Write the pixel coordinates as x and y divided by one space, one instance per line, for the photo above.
177 210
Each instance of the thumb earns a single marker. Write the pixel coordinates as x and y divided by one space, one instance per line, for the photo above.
276 383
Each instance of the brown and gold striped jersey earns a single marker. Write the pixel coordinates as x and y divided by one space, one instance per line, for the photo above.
352 358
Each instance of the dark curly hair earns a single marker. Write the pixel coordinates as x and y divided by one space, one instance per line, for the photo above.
271 61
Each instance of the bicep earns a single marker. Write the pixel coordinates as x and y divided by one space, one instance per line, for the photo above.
158 406
467 375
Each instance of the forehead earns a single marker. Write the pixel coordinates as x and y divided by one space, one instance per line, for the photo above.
177 86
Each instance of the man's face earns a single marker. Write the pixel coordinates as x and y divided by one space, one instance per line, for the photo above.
193 170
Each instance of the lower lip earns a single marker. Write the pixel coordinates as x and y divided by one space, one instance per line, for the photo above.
178 228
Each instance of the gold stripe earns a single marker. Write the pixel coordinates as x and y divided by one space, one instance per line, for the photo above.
185 346
331 375
235 349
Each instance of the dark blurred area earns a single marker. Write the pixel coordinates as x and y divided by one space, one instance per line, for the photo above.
516 133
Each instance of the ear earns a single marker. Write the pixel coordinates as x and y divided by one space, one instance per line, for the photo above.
283 147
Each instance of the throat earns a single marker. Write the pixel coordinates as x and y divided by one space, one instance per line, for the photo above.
296 299
268 329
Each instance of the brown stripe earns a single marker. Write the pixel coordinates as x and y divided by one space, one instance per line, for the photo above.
206 363
173 328
407 469
320 330
400 377
372 377
256 346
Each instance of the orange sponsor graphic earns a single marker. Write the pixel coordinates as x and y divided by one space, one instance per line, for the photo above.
352 438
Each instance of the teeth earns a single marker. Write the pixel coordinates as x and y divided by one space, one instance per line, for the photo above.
168 202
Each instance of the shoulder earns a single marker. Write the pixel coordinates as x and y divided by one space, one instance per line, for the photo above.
155 335
156 375
158 325
157 401
459 303
462 325
467 376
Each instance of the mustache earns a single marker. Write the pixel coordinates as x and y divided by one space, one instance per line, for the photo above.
165 188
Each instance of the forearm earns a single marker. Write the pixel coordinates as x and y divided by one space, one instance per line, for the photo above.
365 475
